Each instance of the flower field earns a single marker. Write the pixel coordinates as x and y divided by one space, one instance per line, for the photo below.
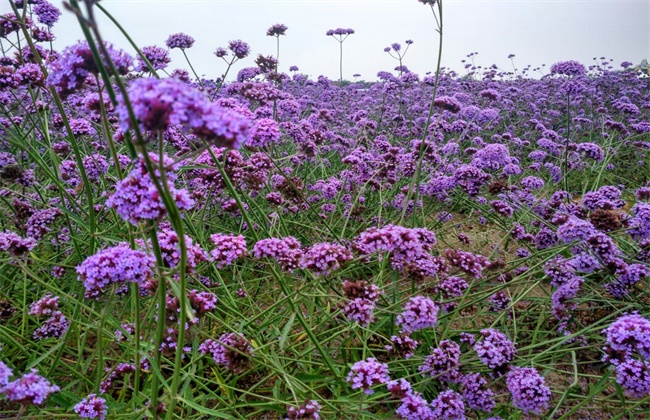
268 245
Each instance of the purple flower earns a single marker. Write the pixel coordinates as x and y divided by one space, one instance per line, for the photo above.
55 327
5 374
575 229
220 52
568 68
136 197
231 350
277 30
179 40
532 183
367 373
44 306
68 73
634 376
170 248
472 264
414 407
285 251
202 302
418 313
640 222
228 248
402 345
92 407
324 257
471 179
157 57
476 394
308 410
494 349
591 150
448 103
448 406
263 133
29 389
629 334
115 375
340 32
400 388
403 244
239 48
529 393
502 208
360 310
443 362
499 301
117 264
160 103
492 156
16 245
46 13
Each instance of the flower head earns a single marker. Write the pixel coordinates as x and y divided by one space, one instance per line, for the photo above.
117 264
418 313
231 350
495 349
367 373
529 393
277 30
568 68
31 388
157 57
179 40
92 407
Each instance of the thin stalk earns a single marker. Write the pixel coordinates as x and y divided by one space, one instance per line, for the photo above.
565 168
414 188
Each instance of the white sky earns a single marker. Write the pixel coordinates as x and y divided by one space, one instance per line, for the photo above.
537 32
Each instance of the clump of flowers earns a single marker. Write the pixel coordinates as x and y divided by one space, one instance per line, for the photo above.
472 264
443 362
475 392
231 350
629 334
528 390
448 406
402 345
228 248
157 57
324 257
15 244
115 265
179 40
418 313
403 245
68 73
362 301
448 103
494 349
308 410
161 103
366 373
30 388
568 68
285 251
136 197
92 407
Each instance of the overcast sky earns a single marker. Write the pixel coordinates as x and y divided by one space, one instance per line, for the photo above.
537 32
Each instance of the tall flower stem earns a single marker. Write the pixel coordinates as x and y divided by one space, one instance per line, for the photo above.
414 188
565 163
341 63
